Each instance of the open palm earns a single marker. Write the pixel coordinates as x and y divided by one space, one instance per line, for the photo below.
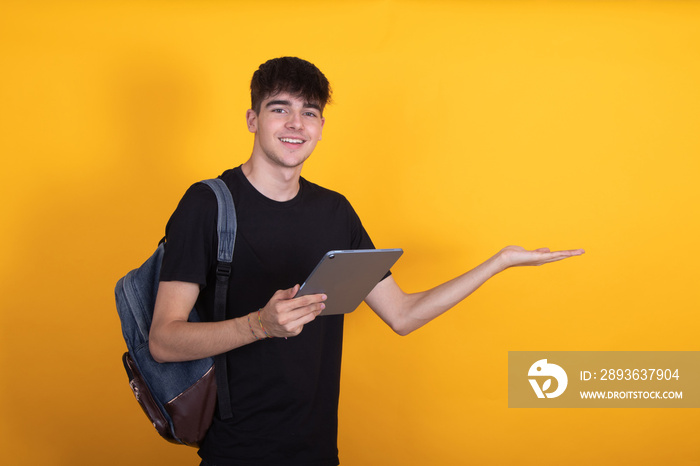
515 256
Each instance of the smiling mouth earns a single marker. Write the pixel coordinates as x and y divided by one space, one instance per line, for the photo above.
292 140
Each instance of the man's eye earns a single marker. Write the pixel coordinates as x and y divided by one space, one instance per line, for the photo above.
278 110
310 114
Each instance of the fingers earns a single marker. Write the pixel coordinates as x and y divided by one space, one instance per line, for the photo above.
568 253
294 323
296 308
284 315
559 255
286 302
514 256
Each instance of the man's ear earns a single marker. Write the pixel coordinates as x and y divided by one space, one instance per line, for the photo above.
323 122
252 119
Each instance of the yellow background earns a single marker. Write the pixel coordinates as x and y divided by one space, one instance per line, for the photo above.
458 128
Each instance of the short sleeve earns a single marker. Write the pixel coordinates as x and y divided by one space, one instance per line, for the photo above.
360 237
191 237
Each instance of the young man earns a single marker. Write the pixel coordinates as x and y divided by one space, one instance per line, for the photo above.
283 363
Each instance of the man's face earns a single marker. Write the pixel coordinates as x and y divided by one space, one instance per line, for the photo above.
286 129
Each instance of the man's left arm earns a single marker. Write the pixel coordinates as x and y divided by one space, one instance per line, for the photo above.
406 312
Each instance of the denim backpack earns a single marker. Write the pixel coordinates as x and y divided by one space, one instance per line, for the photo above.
178 397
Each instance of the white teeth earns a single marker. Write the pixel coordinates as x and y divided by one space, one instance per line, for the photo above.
292 141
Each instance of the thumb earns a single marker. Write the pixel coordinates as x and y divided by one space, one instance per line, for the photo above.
291 292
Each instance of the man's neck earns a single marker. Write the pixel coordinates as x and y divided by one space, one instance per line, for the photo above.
271 180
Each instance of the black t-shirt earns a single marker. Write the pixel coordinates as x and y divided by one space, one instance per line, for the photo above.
284 392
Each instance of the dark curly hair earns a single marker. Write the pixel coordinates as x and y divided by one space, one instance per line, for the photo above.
289 74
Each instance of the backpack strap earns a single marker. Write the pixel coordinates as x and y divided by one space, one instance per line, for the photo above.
226 225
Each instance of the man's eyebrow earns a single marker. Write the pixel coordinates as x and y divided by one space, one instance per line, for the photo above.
312 105
288 103
277 102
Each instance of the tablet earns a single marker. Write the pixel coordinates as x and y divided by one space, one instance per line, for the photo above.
346 277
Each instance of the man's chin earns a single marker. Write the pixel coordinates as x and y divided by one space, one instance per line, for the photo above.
288 162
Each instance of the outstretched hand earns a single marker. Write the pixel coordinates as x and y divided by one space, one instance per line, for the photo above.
515 256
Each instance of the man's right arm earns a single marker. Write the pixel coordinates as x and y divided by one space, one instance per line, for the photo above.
173 338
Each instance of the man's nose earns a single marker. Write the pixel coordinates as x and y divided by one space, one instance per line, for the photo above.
295 121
